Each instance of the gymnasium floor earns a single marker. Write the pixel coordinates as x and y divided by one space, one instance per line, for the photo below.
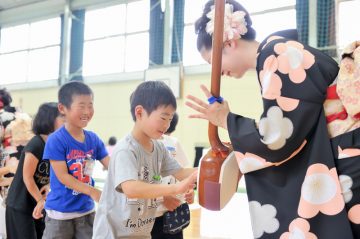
233 222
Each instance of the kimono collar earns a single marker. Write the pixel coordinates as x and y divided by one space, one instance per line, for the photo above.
291 34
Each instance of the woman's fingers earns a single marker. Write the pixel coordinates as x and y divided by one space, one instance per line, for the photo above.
198 116
205 90
197 101
195 107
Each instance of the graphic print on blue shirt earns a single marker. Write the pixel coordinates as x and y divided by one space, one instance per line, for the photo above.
77 161
61 146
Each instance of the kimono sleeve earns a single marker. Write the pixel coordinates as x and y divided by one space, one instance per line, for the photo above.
293 80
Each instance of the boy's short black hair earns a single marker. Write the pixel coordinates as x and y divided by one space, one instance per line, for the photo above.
173 124
150 95
71 89
44 120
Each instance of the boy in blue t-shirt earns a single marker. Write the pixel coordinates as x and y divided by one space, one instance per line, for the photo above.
72 152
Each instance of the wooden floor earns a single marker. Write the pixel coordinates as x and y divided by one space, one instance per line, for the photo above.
233 222
193 230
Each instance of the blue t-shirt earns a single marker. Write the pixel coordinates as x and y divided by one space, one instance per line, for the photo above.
62 146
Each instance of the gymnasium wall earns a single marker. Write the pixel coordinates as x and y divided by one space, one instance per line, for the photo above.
112 110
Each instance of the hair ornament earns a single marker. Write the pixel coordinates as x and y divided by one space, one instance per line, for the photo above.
234 23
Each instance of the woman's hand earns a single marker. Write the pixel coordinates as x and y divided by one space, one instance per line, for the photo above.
216 113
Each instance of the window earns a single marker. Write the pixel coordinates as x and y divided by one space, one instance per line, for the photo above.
265 5
27 54
117 39
348 17
267 17
191 55
270 22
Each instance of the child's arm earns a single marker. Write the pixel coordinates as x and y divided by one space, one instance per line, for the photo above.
138 189
30 164
184 172
61 172
105 162
38 210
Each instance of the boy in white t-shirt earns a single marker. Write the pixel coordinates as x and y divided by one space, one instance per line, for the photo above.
127 207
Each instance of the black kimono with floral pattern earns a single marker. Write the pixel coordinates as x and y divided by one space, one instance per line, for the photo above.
291 178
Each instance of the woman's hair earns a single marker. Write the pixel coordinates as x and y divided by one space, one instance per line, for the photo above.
44 120
204 39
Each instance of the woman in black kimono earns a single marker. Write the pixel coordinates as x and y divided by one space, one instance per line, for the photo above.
291 178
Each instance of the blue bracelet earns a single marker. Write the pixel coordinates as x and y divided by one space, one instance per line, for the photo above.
214 99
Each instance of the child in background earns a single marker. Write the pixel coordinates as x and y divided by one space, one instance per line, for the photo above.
100 172
8 163
9 152
72 152
30 185
111 144
128 203
15 127
171 202
173 145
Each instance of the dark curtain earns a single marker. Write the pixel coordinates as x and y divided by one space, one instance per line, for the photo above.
156 32
178 32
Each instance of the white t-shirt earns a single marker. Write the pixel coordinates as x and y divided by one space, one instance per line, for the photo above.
118 216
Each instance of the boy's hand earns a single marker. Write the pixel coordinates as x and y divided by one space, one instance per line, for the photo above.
187 184
189 196
95 194
45 190
171 202
37 213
